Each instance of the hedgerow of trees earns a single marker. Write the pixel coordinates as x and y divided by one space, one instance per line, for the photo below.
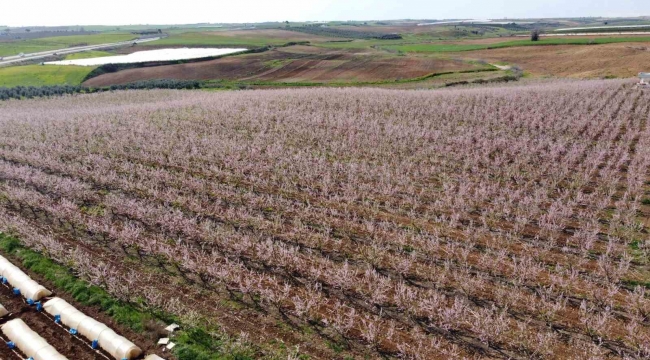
29 92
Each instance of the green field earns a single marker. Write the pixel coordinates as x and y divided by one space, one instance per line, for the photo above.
424 48
39 75
429 43
604 29
435 47
59 42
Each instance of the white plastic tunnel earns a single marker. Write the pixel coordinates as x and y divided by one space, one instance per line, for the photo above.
29 342
114 344
18 279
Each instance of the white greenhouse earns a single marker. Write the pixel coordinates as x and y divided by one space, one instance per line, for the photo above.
114 344
18 279
29 342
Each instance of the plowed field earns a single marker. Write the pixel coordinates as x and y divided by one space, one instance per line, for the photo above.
584 61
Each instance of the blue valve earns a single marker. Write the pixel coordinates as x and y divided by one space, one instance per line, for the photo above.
16 291
11 345
39 306
4 280
95 344
73 331
57 319
30 302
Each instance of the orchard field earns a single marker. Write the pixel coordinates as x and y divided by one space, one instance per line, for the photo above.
496 222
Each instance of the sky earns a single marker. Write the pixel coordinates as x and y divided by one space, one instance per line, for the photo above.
124 12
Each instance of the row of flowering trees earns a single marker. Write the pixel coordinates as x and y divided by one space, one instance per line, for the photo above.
502 222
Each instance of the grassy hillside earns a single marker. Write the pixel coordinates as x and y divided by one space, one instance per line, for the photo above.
39 75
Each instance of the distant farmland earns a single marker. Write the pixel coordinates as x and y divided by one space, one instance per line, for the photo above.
611 60
237 38
505 222
424 48
59 42
38 75
296 64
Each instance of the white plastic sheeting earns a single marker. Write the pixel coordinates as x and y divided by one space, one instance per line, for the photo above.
153 357
29 342
18 279
3 311
114 344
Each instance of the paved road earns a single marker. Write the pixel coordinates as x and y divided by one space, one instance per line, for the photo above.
35 56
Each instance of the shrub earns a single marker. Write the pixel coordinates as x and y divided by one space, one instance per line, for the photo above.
534 35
